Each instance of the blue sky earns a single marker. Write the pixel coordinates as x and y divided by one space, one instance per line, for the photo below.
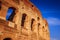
50 10
9 13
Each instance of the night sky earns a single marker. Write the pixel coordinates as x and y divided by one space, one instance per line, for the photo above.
50 10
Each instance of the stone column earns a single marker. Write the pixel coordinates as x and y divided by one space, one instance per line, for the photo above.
40 29
34 35
3 11
26 29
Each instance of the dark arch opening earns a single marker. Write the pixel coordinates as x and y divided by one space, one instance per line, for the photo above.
0 4
23 19
38 26
10 14
32 5
32 22
38 18
7 39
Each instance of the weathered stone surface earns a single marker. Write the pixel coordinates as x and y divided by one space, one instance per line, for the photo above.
20 26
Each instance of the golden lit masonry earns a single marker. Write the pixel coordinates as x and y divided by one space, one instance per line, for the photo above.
24 21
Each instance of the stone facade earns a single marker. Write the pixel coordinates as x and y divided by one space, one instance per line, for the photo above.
25 22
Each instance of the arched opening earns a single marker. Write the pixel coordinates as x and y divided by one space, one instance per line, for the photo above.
38 26
43 27
10 14
32 23
7 39
0 5
38 18
23 19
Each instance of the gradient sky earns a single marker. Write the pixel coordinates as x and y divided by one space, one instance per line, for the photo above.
50 10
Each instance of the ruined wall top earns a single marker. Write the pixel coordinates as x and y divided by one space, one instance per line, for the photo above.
16 4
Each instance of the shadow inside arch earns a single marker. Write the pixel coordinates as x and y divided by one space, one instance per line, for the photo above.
7 39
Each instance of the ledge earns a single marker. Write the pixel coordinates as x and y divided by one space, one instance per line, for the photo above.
8 24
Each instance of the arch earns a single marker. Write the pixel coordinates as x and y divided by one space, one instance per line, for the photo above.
38 18
10 14
38 26
0 4
32 22
23 19
7 39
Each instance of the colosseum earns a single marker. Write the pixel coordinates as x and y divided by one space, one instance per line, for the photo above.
24 23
